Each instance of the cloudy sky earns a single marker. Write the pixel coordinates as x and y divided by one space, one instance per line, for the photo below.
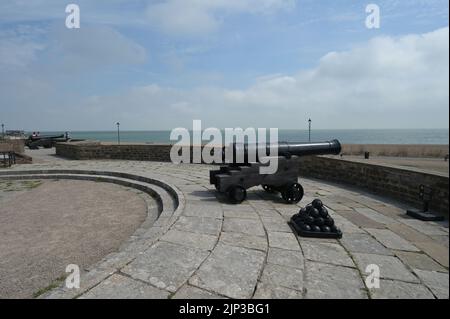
154 64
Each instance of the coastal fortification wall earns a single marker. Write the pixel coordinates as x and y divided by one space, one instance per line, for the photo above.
396 150
394 182
397 183
97 150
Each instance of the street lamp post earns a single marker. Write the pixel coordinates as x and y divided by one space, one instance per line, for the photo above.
3 130
309 130
118 132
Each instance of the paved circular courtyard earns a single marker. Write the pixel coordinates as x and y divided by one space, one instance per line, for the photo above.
212 249
46 225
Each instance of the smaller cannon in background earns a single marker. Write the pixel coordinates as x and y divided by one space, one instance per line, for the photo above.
244 172
47 141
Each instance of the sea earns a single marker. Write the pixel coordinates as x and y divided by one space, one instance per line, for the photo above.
356 136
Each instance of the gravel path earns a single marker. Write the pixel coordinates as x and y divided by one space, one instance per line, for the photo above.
46 226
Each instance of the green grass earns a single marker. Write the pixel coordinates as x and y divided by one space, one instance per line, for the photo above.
55 284
31 184
171 295
13 186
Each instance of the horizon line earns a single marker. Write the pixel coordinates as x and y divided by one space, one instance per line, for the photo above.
286 129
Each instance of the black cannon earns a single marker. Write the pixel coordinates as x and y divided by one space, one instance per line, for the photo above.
243 170
47 141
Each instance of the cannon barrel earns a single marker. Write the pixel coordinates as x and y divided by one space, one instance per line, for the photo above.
241 151
42 137
302 149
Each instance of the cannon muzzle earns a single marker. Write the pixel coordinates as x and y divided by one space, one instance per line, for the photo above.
247 153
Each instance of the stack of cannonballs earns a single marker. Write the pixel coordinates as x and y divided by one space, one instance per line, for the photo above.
315 221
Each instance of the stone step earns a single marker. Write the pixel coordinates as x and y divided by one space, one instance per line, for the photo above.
166 201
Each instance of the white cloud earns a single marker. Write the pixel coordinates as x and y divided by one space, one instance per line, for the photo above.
39 70
181 17
387 82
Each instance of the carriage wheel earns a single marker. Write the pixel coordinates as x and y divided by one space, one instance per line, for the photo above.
293 193
237 194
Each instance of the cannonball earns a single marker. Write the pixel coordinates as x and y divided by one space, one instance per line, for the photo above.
302 211
314 212
329 221
299 223
323 211
334 229
325 229
306 227
309 220
315 228
319 221
317 203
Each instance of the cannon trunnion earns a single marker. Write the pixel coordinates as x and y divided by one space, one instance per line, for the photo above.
234 179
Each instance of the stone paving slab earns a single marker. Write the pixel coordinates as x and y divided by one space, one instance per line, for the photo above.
326 253
200 225
325 281
435 251
243 207
243 240
345 225
375 216
424 227
269 291
244 226
266 211
121 287
360 220
203 210
391 240
390 267
166 265
283 240
339 206
281 276
240 214
363 243
419 261
436 281
230 271
410 234
285 212
389 210
390 289
200 241
88 280
288 258
276 224
442 240
191 292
